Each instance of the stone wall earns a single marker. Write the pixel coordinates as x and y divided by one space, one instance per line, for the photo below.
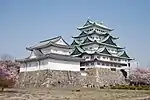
104 76
52 78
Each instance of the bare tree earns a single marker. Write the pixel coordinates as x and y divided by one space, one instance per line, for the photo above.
6 57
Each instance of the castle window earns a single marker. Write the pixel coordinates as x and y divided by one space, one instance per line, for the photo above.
111 58
104 57
87 57
92 57
82 69
107 64
82 64
36 64
90 47
113 69
129 64
86 48
29 65
92 63
111 65
98 63
98 56
103 64
119 60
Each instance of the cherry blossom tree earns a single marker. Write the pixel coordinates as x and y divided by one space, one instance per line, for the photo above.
140 76
8 73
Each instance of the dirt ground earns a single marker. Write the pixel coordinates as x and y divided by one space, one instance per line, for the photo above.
72 94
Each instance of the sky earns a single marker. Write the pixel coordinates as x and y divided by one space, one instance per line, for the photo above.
24 23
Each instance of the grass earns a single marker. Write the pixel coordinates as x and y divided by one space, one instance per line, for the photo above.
72 94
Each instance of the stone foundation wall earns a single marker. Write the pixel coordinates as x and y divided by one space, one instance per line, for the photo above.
51 78
104 76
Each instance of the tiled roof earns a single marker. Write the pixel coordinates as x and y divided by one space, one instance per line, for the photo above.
52 56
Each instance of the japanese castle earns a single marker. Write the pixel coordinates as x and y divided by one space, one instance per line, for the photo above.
97 46
93 47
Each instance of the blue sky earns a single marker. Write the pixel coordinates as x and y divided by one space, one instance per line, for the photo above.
25 22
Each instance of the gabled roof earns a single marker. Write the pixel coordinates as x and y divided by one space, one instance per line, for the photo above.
75 42
50 42
103 50
55 39
108 40
123 54
77 51
90 23
100 43
87 40
83 33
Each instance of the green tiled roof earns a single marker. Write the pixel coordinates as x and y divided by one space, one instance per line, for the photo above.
83 33
123 54
77 51
108 40
87 40
74 42
91 23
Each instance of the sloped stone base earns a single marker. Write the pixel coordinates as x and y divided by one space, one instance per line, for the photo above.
95 77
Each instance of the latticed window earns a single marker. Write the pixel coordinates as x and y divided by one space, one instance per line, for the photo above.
87 57
98 63
92 57
98 56
107 64
82 64
111 58
113 69
92 63
29 65
104 57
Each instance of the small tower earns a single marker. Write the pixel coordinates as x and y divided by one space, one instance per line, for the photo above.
97 46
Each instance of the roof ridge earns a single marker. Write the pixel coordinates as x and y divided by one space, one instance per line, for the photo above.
59 37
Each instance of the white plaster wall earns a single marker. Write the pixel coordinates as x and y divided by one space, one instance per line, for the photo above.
95 36
94 47
56 50
64 65
46 50
53 65
34 66
81 39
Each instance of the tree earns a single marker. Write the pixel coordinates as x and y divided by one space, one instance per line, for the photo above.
8 73
140 77
6 57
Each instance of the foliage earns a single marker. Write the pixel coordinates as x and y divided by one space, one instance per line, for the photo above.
8 73
140 77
